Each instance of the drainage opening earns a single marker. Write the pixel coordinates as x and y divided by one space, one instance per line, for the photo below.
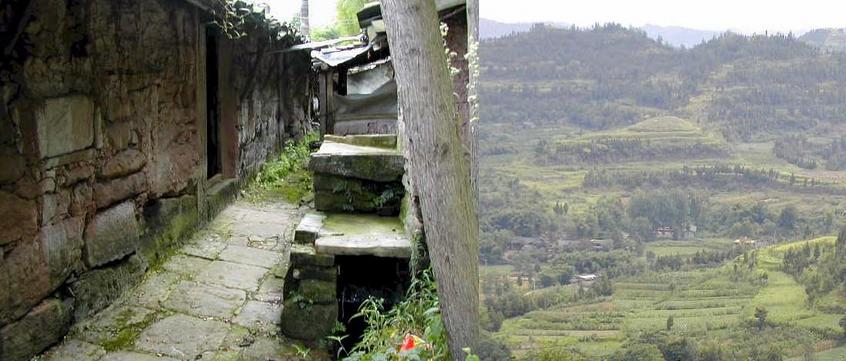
360 277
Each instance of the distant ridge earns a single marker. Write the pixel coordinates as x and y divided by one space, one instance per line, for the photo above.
673 35
829 39
489 29
679 36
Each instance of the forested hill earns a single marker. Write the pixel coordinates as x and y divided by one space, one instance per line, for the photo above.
742 87
830 39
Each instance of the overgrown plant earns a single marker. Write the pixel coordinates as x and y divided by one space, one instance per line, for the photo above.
237 18
286 175
411 330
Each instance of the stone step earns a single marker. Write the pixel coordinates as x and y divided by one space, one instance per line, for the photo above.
388 141
356 161
353 235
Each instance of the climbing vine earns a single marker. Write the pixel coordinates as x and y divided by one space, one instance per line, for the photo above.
238 18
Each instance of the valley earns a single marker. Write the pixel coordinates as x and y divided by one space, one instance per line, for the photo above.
679 178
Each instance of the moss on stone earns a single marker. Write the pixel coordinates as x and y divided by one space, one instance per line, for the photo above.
126 332
351 224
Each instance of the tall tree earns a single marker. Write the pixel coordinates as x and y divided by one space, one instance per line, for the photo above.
440 164
304 27
347 21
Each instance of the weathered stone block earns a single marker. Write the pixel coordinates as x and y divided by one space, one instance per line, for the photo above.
168 221
370 163
308 228
307 322
54 206
118 134
314 273
306 255
124 163
388 141
18 218
112 235
24 279
42 327
13 167
339 194
63 247
320 292
65 125
98 288
110 192
82 200
78 173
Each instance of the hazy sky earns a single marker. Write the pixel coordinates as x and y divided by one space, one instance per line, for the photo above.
321 12
740 15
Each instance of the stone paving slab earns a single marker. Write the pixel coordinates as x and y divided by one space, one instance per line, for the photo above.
271 290
206 248
205 300
219 298
232 275
185 265
182 337
110 322
134 356
262 316
75 350
250 256
153 290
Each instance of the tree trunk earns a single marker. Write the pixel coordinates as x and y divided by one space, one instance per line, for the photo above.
440 164
304 27
473 92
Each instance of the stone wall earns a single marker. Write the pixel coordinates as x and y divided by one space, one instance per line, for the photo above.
103 148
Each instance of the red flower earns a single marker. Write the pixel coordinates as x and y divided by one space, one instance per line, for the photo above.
407 343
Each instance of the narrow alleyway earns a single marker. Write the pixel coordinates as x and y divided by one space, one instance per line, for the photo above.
217 298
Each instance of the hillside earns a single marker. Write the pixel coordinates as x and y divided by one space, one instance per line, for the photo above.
717 305
674 35
830 39
606 152
679 36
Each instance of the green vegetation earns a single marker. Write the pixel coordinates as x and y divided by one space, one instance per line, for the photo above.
682 178
126 331
417 317
285 176
716 305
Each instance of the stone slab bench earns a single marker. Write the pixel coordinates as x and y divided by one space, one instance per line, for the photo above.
355 161
353 235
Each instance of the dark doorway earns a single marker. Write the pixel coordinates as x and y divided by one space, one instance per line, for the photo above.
212 104
360 277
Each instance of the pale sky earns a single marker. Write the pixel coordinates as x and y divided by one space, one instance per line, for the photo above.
321 12
745 16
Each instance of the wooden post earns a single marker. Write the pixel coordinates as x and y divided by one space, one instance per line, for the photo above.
440 164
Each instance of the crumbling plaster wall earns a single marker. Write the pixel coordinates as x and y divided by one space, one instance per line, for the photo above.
102 149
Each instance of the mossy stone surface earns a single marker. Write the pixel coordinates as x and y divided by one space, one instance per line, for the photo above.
352 161
388 141
319 292
308 323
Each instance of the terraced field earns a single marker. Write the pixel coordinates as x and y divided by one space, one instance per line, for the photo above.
708 304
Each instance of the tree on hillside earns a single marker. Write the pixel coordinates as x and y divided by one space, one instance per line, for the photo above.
670 323
345 17
760 317
440 166
638 352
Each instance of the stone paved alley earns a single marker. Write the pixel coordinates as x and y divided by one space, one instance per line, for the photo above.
217 298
